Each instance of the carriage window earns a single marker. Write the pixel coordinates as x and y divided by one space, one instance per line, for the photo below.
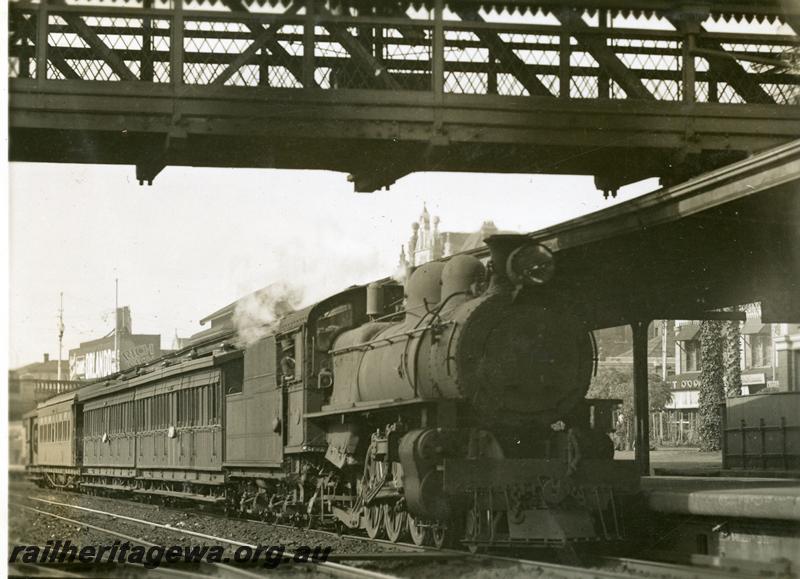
330 324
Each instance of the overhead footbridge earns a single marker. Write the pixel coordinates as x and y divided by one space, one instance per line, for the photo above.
618 89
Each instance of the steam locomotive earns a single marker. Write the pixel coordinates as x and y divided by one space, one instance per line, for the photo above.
459 417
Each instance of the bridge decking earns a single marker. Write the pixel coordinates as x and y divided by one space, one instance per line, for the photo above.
618 89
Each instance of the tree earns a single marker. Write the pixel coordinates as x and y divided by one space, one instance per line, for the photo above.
733 356
712 388
615 383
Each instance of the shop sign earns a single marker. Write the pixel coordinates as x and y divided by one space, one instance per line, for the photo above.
754 379
686 382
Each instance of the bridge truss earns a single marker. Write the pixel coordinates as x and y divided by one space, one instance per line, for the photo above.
618 89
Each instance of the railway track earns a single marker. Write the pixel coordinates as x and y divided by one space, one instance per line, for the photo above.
329 568
346 565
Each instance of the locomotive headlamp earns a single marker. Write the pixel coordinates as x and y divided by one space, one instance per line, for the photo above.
530 264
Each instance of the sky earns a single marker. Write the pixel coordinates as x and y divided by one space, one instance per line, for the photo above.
198 239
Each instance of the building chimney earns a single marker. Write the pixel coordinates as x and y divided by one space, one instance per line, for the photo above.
46 358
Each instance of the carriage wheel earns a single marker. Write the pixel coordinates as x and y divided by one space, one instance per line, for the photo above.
373 517
394 521
419 533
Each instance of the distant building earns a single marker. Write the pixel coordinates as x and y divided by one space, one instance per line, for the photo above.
32 383
760 361
427 243
98 358
769 358
179 343
615 347
27 386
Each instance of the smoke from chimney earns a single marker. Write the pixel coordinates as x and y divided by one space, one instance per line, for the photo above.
256 313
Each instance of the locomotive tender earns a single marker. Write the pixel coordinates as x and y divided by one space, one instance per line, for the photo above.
460 417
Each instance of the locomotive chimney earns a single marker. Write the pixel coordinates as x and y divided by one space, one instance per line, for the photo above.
500 247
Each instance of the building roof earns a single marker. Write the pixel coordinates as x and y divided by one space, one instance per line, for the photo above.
687 332
654 350
110 338
50 366
754 326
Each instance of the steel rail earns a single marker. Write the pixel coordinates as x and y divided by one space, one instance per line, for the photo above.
336 569
131 539
625 566
551 569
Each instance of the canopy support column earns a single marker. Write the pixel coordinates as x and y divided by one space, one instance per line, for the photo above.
641 401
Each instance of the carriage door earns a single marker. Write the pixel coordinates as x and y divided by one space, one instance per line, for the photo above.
77 420
32 442
291 369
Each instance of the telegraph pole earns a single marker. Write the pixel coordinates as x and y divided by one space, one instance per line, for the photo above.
60 331
116 325
664 326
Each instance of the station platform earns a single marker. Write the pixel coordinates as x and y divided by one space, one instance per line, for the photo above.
775 499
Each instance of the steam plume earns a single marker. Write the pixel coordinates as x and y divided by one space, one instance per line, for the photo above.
400 274
256 314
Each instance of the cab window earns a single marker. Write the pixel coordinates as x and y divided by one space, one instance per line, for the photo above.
234 377
331 323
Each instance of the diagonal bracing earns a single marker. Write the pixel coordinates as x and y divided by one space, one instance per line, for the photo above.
498 49
626 78
84 31
363 57
266 38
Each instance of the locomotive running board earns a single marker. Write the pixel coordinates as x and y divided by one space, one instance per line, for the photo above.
465 475
365 406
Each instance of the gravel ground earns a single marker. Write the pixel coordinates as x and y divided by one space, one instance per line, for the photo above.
198 521
26 527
